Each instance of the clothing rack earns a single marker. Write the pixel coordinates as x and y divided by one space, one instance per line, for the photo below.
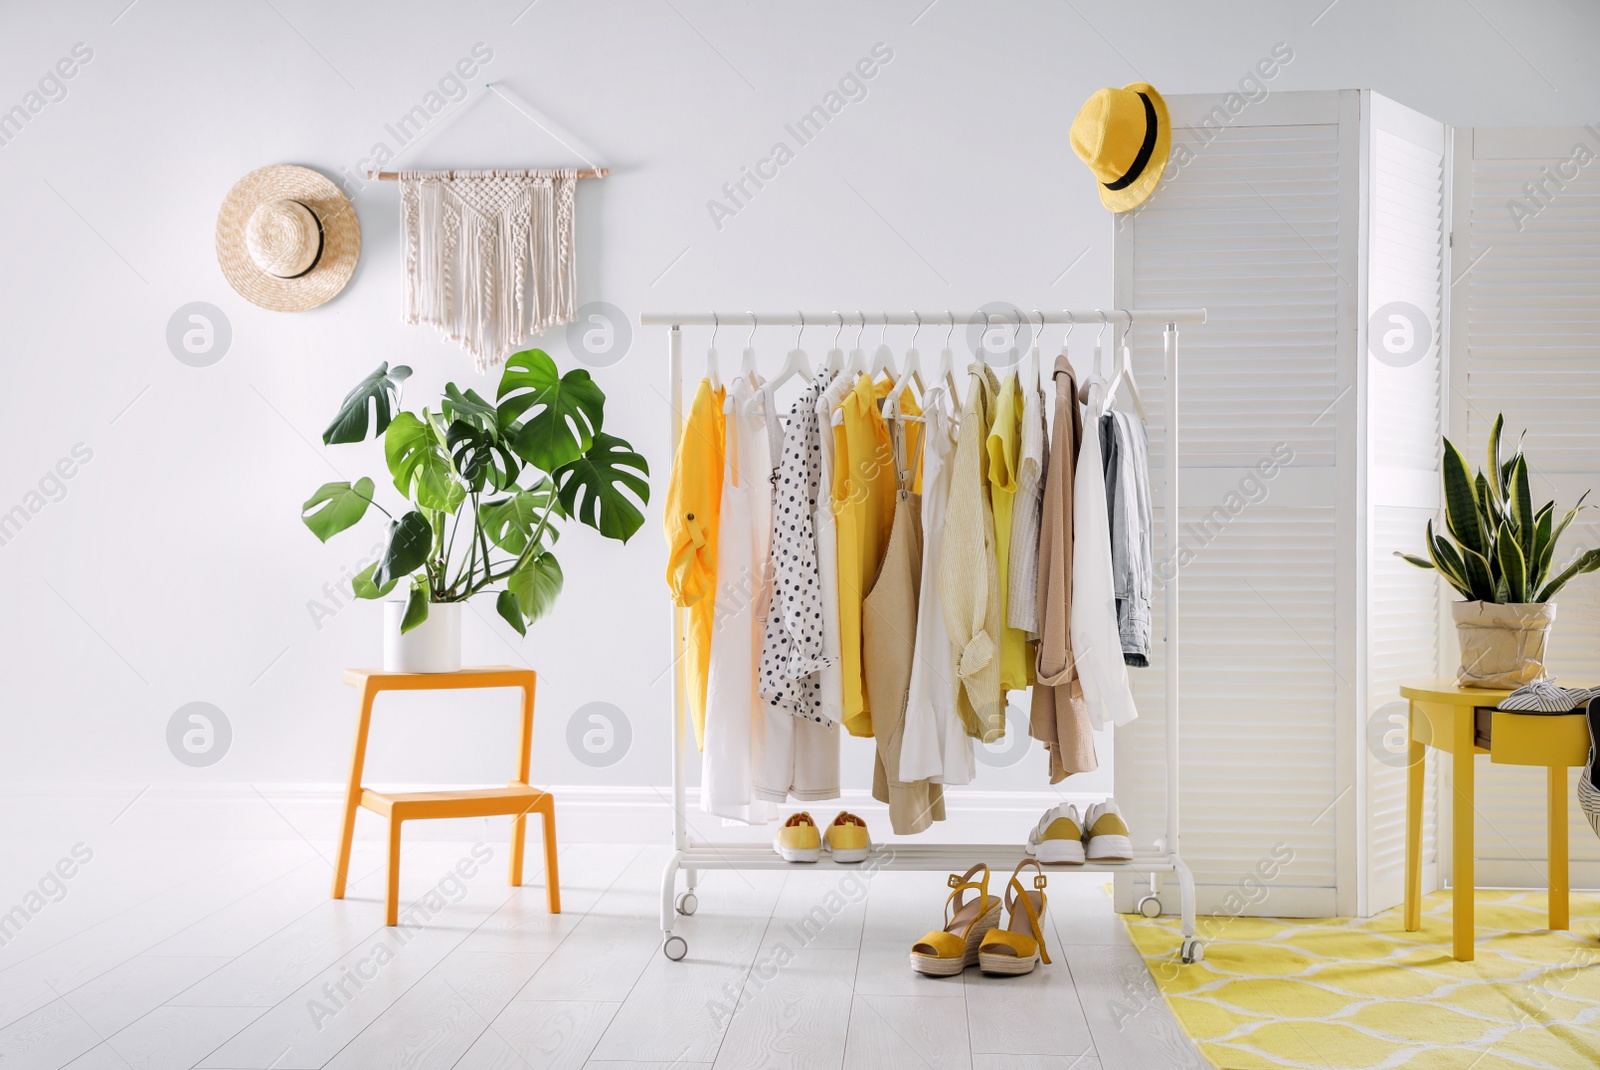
692 857
394 176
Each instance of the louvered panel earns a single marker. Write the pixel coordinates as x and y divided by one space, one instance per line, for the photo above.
1404 638
1249 230
1258 699
1531 348
1405 265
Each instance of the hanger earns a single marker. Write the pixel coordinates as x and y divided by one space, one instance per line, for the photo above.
1124 372
1013 358
794 362
747 360
1099 371
883 356
833 365
858 358
946 371
711 355
1033 354
913 365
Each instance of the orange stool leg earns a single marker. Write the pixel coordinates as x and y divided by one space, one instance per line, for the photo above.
352 796
552 878
391 899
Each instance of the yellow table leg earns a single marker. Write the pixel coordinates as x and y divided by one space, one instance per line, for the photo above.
352 795
1557 819
391 897
1463 877
1415 772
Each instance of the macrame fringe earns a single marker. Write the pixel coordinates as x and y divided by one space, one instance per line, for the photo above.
489 256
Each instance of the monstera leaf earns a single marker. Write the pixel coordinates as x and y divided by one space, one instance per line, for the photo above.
471 408
563 411
509 522
421 468
536 585
410 538
600 487
363 587
336 506
482 458
381 390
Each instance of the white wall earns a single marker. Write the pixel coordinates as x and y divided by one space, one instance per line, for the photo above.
175 569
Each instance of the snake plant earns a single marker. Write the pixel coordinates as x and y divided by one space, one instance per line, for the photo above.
480 477
1499 548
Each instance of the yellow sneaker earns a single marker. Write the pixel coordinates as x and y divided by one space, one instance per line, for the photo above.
846 839
798 839
1106 835
1057 840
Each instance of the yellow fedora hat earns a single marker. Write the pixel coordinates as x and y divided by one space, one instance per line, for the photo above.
1124 135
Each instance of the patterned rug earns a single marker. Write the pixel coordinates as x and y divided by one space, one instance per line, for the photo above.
1364 994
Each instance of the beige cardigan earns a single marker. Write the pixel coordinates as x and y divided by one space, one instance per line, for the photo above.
969 572
1059 718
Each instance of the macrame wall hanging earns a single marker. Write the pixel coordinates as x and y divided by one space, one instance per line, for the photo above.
489 255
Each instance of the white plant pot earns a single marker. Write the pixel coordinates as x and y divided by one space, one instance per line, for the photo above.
432 646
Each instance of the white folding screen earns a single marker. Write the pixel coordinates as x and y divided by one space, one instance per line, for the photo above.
1256 221
1525 340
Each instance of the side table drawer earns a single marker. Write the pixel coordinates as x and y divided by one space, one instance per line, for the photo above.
1539 738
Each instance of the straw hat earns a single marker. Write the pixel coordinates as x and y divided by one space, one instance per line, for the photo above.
1124 135
287 238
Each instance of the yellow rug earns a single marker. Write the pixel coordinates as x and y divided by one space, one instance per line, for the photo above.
1364 994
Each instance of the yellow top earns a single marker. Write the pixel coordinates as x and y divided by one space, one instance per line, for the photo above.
694 506
863 503
1003 445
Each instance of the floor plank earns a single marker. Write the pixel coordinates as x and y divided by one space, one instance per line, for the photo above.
547 1034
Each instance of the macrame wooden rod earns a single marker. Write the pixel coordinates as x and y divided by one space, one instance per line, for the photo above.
394 176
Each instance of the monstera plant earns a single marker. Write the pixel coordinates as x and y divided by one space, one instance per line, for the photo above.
1499 554
485 486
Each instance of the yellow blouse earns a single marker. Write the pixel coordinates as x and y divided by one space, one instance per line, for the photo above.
1004 442
694 506
863 503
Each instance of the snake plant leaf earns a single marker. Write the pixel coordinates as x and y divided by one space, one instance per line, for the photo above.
564 411
1589 561
1489 507
380 390
1519 503
510 522
480 457
1481 584
1414 560
363 586
416 605
536 585
410 538
1539 560
1462 516
506 605
422 470
1513 565
336 506
601 487
1495 434
1448 562
472 408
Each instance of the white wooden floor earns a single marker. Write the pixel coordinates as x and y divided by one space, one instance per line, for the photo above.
175 952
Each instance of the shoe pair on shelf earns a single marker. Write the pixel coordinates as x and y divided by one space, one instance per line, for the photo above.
798 839
972 931
1062 838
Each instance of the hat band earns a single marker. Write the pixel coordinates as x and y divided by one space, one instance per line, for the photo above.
321 243
1143 159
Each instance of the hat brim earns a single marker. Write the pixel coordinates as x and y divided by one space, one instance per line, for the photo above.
1137 192
341 238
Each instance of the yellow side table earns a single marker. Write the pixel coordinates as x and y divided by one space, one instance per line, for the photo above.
1444 716
516 799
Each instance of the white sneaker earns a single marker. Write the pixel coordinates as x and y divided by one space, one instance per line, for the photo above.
1058 837
1107 835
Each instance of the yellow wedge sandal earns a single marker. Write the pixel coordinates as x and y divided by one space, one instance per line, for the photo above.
1018 947
966 922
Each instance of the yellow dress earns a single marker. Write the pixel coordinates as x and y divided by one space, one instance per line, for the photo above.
1004 443
694 504
863 503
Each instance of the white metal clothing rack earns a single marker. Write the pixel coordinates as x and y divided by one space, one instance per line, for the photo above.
692 857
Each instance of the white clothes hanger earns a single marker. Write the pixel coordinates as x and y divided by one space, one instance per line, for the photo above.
833 364
747 360
1124 374
912 371
711 356
883 356
795 361
1013 358
1036 382
1099 373
946 371
857 365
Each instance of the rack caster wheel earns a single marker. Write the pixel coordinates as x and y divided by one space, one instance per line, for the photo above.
675 947
1150 906
688 903
1192 950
